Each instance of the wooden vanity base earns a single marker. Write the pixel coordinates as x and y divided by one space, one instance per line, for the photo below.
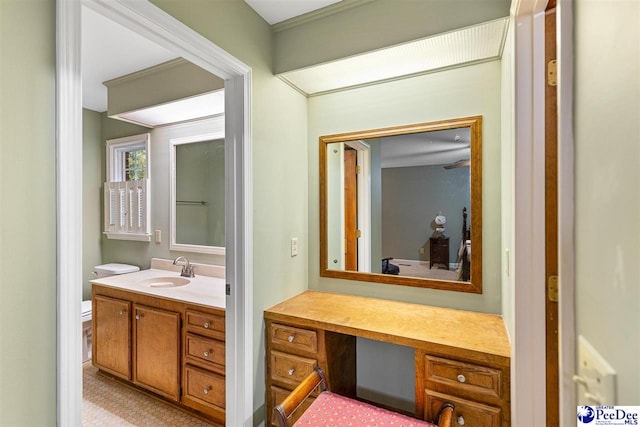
173 350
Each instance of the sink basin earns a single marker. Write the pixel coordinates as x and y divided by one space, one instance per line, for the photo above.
165 282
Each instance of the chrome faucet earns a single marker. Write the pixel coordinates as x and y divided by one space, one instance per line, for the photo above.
187 268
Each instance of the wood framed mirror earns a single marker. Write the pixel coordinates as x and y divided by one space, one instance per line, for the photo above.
403 205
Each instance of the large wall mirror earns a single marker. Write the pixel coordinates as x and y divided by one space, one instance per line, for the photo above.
403 205
198 194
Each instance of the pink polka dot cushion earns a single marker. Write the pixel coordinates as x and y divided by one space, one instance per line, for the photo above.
333 410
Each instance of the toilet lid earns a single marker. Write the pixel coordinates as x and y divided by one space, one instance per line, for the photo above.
86 307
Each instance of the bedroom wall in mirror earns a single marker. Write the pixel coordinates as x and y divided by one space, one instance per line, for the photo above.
403 205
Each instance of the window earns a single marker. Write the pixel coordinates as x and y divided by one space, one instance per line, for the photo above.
126 202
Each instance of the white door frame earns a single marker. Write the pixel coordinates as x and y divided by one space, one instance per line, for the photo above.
528 355
151 22
566 215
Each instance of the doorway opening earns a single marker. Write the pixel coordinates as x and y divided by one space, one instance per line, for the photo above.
148 20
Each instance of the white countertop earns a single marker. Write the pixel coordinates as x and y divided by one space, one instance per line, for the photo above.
205 290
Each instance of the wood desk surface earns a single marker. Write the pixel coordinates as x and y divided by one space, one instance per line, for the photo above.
420 326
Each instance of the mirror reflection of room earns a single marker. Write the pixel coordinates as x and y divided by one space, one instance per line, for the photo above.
405 201
200 193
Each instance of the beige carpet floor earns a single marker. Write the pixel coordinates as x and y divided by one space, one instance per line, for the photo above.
421 269
106 403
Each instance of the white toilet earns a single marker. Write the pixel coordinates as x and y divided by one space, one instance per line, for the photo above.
100 271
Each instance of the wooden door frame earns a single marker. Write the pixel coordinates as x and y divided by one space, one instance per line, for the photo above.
551 217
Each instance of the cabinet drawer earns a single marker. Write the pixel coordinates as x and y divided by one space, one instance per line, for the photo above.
290 369
293 338
205 349
205 324
467 413
278 395
460 376
204 386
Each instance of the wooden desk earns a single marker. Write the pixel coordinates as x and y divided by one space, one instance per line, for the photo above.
460 356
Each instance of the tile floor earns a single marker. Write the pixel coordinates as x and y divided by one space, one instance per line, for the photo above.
107 403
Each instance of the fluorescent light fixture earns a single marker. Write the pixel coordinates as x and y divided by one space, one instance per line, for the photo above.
195 107
478 43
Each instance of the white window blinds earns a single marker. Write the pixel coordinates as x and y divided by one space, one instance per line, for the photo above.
126 210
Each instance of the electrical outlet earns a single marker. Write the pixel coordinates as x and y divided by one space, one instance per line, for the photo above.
596 378
294 246
421 251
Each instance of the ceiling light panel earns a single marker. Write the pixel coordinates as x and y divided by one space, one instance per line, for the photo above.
478 43
196 107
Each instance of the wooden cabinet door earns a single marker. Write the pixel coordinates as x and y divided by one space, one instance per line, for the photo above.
112 336
156 353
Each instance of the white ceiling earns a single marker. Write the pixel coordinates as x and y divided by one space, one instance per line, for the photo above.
274 11
439 147
110 50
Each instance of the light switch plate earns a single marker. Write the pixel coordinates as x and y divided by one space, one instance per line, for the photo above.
596 377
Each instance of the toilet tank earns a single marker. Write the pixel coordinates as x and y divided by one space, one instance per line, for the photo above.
106 270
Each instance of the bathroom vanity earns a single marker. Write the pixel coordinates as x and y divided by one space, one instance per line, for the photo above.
461 357
158 333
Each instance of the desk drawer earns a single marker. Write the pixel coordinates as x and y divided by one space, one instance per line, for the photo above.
205 349
467 413
290 369
459 376
205 324
204 387
293 338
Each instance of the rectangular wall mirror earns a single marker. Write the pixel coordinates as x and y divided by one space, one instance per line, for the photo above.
403 205
198 194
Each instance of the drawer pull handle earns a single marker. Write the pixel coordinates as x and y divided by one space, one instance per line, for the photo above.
122 311
460 420
462 378
207 325
291 371
291 338
206 390
207 353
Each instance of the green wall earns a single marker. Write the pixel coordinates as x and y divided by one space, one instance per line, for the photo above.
140 253
607 178
462 92
411 199
93 167
27 214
